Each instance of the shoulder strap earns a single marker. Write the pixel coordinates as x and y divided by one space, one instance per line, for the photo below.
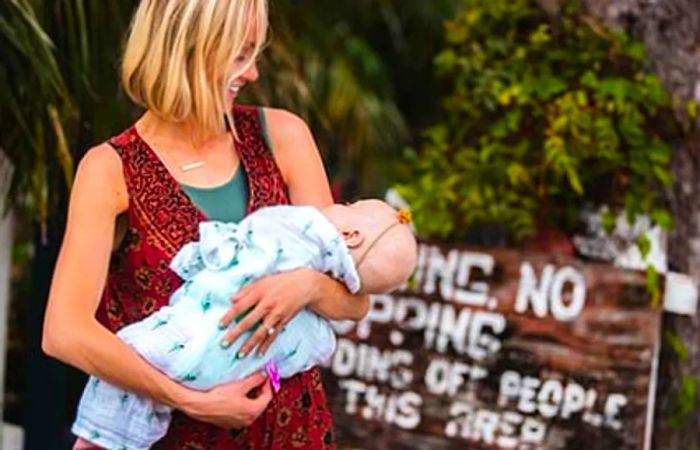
267 186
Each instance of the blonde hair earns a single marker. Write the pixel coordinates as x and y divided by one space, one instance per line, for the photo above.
181 56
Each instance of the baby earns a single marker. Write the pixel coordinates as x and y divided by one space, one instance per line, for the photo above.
367 245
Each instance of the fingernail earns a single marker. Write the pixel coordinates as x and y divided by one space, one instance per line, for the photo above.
224 344
264 374
240 355
222 326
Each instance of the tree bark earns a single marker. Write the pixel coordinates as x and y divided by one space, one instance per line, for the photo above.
671 31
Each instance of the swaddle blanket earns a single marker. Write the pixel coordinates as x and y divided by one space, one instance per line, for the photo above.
183 339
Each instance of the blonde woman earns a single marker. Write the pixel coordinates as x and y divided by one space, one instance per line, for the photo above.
139 197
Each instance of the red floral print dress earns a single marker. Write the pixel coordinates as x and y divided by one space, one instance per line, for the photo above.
161 219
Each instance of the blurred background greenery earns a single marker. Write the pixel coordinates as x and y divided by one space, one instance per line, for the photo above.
497 120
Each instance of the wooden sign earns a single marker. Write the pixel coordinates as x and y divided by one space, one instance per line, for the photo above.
499 350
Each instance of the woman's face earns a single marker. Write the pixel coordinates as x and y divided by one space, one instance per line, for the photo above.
249 76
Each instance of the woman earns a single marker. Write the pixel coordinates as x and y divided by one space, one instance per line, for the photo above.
139 197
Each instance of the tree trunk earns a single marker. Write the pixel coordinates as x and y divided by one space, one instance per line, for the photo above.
671 31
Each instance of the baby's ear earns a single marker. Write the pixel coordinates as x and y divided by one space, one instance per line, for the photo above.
353 238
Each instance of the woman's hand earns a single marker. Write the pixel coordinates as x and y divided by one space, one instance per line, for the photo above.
229 405
269 303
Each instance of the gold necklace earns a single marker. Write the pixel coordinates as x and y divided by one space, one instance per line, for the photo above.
187 166
193 165
183 167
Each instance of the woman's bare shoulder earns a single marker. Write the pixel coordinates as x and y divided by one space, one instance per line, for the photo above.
298 158
282 116
102 156
285 127
100 172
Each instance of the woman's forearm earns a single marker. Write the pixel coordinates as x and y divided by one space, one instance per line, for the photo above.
96 351
334 302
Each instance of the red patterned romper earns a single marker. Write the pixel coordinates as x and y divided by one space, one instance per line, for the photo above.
161 220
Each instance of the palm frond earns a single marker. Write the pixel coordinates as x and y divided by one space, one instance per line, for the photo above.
60 59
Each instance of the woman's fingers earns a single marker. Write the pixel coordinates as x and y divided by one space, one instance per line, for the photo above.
270 338
253 381
263 399
256 405
240 307
267 328
247 322
243 292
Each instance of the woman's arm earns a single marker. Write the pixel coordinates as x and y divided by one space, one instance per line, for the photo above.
71 332
333 301
299 160
276 299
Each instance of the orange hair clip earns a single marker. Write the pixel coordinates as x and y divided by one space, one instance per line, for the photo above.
404 216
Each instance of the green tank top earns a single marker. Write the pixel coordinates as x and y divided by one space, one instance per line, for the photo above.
227 202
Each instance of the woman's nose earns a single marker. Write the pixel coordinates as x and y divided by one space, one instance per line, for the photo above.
251 74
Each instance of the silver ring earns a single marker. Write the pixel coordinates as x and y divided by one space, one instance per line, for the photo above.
270 331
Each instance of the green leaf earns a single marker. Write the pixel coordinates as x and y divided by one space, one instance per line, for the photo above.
663 175
608 221
653 286
446 60
644 245
574 180
659 152
677 344
686 401
663 218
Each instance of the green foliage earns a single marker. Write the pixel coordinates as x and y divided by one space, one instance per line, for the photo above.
677 344
687 393
59 62
687 397
653 285
544 113
644 245
342 66
339 86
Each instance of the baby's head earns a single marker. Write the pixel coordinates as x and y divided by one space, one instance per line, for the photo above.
380 240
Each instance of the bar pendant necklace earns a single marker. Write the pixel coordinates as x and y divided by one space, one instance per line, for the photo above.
192 166
184 167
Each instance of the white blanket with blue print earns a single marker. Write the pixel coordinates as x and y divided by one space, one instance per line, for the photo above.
183 339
